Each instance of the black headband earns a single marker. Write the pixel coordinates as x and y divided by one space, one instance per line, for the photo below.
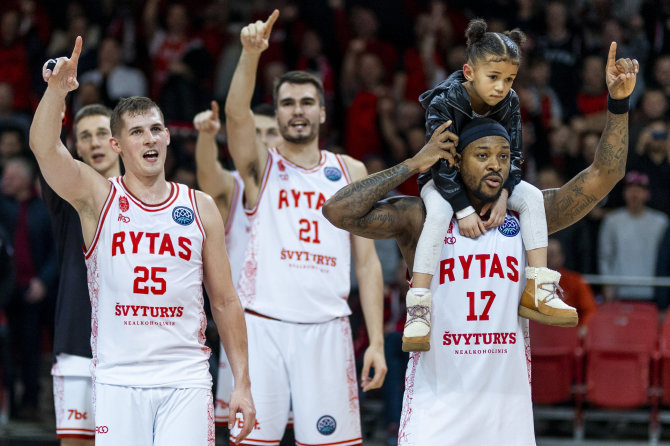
480 128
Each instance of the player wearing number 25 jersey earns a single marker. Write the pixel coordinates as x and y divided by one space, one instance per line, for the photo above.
145 318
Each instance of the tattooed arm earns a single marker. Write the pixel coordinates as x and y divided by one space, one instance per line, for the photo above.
575 199
358 209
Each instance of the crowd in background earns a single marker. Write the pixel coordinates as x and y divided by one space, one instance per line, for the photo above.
375 58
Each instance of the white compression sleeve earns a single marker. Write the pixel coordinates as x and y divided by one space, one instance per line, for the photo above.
528 201
438 216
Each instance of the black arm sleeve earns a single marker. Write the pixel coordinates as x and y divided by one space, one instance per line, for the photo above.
447 179
513 127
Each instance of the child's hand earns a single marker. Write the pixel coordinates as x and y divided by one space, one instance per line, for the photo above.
471 226
498 211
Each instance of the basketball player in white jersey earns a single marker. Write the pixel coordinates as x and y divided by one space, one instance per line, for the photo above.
295 279
227 189
149 246
474 389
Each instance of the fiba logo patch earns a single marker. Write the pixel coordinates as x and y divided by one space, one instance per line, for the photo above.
510 227
182 215
123 203
332 173
326 425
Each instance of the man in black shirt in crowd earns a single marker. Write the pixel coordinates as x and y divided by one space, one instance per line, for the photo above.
75 423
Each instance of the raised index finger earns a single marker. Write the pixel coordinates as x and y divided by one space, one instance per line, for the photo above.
215 111
269 23
611 56
77 50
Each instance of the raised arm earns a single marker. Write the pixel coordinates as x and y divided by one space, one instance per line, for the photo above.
576 198
360 209
212 178
250 161
227 311
73 180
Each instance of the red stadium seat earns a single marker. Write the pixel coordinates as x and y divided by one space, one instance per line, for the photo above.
665 362
620 348
555 352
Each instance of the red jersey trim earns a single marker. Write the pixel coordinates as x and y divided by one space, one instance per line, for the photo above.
343 166
322 162
79 436
174 193
246 442
198 221
264 184
101 221
233 206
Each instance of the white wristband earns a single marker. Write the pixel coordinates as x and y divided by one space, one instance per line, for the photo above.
465 212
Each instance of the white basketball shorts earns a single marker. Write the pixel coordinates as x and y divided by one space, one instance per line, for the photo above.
312 368
159 416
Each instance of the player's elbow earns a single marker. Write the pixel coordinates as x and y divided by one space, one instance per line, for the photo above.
331 213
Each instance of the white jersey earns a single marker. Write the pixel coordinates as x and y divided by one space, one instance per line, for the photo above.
145 282
237 229
473 386
297 263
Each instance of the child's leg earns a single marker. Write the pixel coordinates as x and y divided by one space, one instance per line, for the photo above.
541 298
528 201
438 214
416 335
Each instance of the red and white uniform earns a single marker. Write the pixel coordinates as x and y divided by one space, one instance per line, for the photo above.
145 282
297 264
294 287
237 235
473 386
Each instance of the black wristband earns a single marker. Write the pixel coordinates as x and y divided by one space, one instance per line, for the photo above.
618 106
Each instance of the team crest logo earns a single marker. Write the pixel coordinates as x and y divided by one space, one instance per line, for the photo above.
280 166
332 173
123 203
326 425
183 215
510 227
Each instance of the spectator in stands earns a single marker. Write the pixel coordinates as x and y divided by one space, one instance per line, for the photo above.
12 143
14 65
26 219
9 118
651 158
653 105
629 239
577 293
114 79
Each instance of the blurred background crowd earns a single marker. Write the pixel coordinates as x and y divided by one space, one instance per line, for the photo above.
374 57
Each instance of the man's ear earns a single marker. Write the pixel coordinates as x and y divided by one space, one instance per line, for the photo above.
468 72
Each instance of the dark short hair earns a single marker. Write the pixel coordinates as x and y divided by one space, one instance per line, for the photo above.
134 105
299 77
264 110
91 110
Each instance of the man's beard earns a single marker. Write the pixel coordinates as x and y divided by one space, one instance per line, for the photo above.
481 196
301 138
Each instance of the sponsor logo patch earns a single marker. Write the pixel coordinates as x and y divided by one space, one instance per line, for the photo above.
332 173
183 215
510 227
326 425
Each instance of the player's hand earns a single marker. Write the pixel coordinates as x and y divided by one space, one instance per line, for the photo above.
36 291
64 74
373 357
498 211
255 37
241 402
471 226
208 121
620 75
440 146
